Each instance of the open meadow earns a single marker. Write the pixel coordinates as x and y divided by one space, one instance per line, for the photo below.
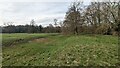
24 49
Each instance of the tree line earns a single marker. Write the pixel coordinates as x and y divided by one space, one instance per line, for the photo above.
30 28
95 18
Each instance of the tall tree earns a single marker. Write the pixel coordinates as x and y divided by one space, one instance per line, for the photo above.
55 22
72 19
32 26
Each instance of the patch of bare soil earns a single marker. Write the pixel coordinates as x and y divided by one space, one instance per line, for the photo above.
41 40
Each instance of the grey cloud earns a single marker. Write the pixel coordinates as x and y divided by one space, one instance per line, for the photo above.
42 11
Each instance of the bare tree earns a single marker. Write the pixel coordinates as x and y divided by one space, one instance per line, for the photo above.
73 18
32 26
55 22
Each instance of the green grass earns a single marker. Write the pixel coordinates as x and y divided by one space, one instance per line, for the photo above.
57 50
11 39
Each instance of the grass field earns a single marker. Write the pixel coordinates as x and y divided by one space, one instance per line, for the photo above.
59 50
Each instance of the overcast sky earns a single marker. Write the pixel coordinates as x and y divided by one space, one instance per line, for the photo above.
43 12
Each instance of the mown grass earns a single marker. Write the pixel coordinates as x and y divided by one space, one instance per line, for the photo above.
57 50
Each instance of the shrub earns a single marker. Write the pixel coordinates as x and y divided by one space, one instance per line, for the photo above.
104 28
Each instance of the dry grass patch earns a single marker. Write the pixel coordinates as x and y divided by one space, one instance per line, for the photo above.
41 40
